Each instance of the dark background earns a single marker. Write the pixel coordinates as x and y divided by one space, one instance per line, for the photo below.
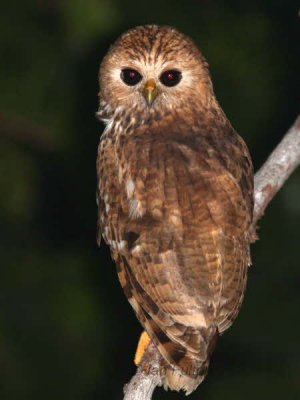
66 330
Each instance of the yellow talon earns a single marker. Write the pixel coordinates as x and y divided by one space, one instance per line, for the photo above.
141 347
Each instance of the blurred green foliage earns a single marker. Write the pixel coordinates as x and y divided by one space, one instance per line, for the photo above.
66 330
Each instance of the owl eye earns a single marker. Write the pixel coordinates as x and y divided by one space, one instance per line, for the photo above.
171 77
130 76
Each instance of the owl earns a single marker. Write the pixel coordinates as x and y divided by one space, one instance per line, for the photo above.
175 197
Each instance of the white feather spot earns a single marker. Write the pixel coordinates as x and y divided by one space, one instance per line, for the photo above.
108 124
136 250
112 244
175 219
134 303
135 209
130 187
121 245
196 319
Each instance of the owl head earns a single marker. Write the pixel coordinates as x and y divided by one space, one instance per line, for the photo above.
151 70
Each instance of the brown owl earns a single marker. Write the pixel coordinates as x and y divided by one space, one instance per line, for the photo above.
175 194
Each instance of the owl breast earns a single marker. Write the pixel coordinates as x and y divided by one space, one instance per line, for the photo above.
183 207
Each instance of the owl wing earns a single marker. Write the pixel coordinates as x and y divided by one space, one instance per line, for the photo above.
178 232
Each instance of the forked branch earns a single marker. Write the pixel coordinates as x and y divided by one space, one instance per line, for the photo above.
267 182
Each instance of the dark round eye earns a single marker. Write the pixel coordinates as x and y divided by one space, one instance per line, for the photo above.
130 76
171 77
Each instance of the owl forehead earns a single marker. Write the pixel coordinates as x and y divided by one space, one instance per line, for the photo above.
154 47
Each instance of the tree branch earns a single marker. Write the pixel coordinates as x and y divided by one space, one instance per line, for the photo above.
147 377
276 170
267 182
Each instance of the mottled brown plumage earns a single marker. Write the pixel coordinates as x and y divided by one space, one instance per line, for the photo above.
175 192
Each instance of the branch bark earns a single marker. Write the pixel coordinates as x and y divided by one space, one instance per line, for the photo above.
146 378
276 170
267 182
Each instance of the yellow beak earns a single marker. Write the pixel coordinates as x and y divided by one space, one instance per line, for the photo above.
150 91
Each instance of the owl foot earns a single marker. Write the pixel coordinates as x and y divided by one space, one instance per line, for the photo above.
141 347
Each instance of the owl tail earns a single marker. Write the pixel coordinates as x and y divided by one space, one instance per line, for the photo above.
176 379
183 369
185 354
